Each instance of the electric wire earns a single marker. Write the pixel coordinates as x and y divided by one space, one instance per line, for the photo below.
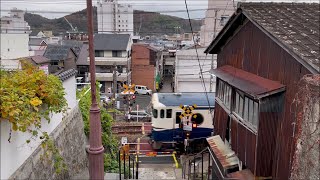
204 85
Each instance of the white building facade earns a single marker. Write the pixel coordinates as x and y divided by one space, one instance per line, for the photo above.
217 16
187 71
114 17
14 38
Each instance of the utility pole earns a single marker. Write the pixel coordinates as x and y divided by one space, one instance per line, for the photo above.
95 148
214 36
114 89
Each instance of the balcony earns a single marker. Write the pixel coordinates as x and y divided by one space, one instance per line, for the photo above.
109 76
111 61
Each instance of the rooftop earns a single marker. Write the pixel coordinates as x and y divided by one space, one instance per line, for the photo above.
176 99
57 52
294 26
116 42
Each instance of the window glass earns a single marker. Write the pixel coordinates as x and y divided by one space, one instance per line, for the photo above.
237 103
255 114
155 113
250 118
162 113
246 106
240 106
169 113
178 120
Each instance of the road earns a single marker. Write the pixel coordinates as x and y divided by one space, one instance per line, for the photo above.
142 100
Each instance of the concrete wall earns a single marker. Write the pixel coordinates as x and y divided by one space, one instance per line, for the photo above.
14 45
17 157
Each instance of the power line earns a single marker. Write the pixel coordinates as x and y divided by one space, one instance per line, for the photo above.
141 11
201 78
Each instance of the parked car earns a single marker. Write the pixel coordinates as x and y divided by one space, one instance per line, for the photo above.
133 115
139 89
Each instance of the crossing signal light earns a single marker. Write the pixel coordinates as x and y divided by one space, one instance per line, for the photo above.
194 125
133 97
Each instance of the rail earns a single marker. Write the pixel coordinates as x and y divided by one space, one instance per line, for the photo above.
212 170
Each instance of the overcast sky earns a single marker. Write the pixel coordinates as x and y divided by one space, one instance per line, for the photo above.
59 8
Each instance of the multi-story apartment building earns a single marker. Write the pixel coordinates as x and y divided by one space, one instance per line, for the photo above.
111 51
14 38
114 17
217 15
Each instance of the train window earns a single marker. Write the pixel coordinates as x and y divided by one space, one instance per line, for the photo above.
162 113
169 113
198 119
155 113
178 120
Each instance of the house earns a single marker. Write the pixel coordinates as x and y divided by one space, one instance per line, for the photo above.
62 57
187 71
14 39
37 46
112 51
146 66
40 61
263 52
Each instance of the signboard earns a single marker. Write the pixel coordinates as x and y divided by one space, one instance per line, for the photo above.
124 140
187 126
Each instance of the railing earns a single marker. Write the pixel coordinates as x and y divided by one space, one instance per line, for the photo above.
210 173
130 168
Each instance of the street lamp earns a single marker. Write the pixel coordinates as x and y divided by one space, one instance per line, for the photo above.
95 143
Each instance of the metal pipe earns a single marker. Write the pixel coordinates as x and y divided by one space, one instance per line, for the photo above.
129 167
137 169
202 166
120 164
134 163
96 149
124 165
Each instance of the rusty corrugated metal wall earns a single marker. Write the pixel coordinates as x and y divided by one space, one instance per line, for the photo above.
253 51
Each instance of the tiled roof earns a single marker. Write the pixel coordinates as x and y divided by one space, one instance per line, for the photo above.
294 24
116 42
64 75
57 52
35 41
38 59
83 55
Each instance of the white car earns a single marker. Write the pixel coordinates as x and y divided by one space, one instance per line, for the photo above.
133 115
139 89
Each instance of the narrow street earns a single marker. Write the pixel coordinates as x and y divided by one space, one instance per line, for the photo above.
166 88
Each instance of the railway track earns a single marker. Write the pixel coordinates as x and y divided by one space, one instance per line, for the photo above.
127 128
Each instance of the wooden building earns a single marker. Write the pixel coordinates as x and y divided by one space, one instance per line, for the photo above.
263 52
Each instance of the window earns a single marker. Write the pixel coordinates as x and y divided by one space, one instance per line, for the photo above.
246 108
224 19
197 119
116 54
162 113
224 93
155 113
169 113
178 120
98 53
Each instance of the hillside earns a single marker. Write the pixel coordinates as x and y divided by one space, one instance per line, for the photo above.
151 23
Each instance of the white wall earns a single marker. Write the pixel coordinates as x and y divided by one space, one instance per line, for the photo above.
187 71
14 45
114 17
15 153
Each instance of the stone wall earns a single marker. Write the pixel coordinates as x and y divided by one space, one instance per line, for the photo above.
70 139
